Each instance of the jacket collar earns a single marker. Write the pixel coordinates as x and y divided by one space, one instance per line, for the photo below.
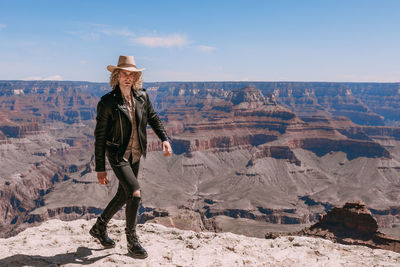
138 102
138 95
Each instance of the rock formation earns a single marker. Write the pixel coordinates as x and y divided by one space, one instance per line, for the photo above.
352 224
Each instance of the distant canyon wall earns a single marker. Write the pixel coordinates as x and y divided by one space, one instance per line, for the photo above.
292 128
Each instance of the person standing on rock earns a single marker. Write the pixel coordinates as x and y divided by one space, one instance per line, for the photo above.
120 134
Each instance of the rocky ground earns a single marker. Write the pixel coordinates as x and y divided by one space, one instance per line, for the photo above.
59 243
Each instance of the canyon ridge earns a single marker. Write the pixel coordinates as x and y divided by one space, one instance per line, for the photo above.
249 157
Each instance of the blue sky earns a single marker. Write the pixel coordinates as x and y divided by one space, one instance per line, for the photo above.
255 40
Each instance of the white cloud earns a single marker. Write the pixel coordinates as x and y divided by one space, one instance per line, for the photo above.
39 78
2 26
87 36
53 78
122 32
206 48
166 41
109 30
95 31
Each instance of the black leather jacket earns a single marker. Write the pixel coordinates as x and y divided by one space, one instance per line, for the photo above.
114 126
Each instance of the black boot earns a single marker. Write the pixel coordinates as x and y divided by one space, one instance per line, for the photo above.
99 231
134 248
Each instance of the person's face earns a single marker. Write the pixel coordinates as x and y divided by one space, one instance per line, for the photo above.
126 78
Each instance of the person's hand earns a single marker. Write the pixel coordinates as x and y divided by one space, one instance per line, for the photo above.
166 146
102 177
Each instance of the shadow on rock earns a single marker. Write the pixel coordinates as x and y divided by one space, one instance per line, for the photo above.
79 257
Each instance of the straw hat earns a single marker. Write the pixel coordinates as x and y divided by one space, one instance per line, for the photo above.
125 63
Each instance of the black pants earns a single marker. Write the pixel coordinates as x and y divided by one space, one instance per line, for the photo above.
127 173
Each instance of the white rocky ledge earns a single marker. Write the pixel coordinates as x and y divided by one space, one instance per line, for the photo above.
60 243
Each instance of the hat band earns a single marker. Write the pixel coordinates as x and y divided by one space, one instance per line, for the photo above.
126 66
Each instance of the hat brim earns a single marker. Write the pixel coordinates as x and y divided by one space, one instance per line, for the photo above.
111 68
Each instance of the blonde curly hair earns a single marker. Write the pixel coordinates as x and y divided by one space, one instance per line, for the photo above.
137 83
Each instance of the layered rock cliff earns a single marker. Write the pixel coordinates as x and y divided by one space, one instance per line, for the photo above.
363 103
237 153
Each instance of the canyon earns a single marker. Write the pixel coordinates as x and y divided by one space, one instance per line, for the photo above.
255 154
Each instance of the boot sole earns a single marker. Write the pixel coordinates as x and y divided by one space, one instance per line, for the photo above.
105 246
136 256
